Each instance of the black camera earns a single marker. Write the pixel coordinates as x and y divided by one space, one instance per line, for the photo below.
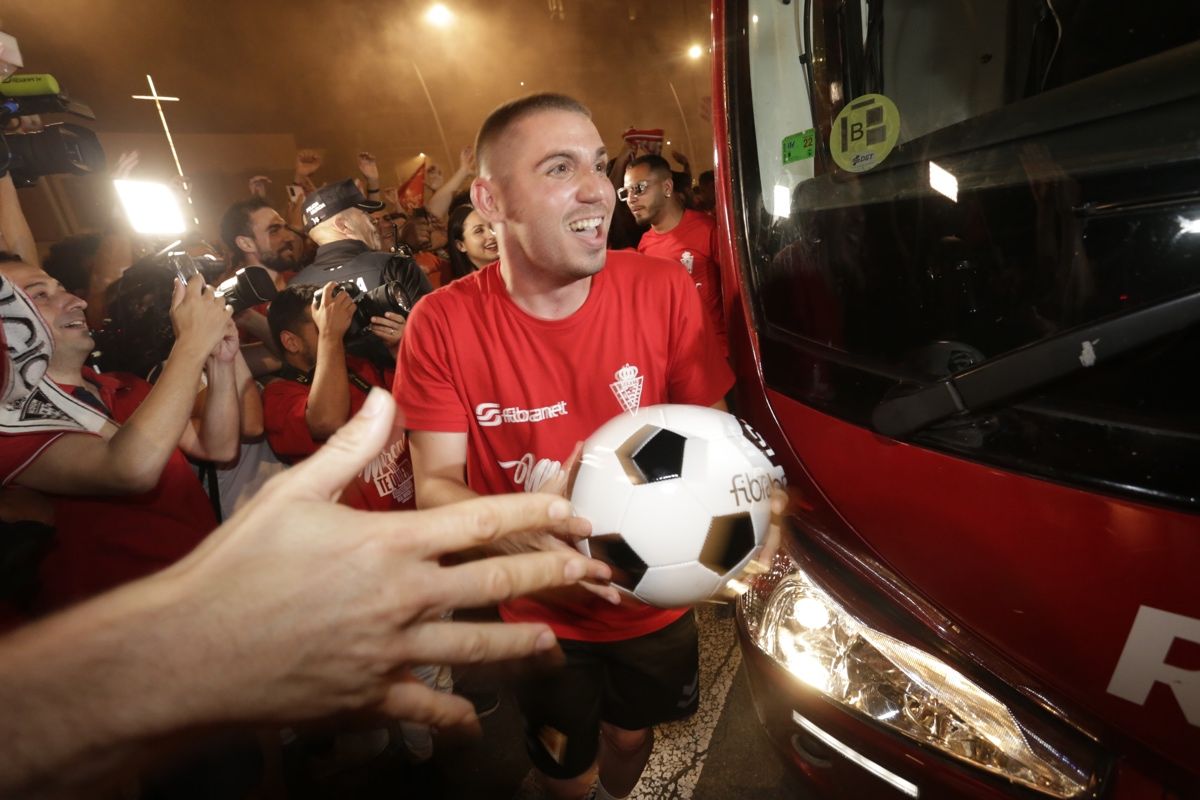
387 296
249 287
59 148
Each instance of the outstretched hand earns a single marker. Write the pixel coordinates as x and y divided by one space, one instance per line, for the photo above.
327 606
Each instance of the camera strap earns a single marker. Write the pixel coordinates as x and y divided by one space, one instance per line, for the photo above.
289 373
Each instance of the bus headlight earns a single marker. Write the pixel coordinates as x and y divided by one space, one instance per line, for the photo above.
901 687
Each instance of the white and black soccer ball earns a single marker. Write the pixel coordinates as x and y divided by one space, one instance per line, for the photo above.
679 500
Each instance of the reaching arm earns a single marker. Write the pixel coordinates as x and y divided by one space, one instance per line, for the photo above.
439 470
617 175
132 460
329 399
439 467
218 639
13 225
683 162
439 202
250 398
369 168
216 436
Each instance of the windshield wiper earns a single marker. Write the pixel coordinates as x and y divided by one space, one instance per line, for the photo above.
1035 364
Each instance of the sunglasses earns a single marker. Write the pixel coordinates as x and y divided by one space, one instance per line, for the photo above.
637 190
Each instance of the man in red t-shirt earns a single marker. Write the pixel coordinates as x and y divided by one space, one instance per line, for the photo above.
501 373
677 234
320 387
126 503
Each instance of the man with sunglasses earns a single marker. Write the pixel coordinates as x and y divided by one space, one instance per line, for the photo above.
676 233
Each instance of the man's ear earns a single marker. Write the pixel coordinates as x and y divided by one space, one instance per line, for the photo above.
341 223
290 342
245 244
485 200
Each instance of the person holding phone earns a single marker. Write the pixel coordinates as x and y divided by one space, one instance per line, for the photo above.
126 502
272 620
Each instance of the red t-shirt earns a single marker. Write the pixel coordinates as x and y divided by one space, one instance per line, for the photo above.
525 390
386 483
104 541
693 243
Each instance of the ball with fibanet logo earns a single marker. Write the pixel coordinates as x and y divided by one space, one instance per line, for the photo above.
679 500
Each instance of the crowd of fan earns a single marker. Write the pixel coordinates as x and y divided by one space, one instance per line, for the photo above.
202 399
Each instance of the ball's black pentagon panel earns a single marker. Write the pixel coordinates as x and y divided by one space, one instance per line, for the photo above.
730 538
633 444
660 457
627 566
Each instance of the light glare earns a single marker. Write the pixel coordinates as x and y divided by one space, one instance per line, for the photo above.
694 52
811 612
1189 225
439 15
783 201
878 770
943 182
152 208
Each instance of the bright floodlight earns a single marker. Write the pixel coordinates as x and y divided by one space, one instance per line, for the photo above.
439 15
695 51
152 208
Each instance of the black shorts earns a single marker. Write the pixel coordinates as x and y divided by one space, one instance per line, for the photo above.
633 684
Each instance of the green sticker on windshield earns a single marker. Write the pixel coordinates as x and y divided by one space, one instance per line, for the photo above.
799 146
864 133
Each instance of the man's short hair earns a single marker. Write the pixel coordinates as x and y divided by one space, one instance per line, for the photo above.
512 112
705 178
70 261
236 222
287 311
657 164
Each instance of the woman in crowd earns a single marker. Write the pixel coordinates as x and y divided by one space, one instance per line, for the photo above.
472 242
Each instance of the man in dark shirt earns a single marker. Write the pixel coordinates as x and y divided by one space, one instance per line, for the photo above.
337 217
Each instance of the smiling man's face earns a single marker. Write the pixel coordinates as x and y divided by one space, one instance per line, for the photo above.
554 198
62 310
278 247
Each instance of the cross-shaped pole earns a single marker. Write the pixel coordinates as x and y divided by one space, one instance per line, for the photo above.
157 101
157 98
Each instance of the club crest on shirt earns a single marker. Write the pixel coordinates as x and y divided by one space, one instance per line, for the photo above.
627 388
687 259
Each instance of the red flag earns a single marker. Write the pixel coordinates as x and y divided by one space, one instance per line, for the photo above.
412 194
641 142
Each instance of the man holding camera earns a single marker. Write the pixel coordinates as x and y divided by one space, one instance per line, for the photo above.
337 217
126 501
320 387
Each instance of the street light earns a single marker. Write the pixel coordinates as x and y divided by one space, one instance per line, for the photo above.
439 15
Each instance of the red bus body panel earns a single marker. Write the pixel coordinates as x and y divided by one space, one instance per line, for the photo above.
1049 575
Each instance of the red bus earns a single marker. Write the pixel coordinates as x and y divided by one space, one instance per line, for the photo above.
962 282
